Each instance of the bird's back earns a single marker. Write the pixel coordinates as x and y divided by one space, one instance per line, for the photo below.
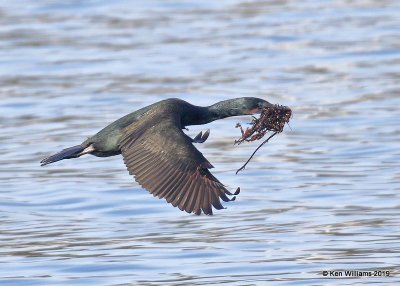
107 139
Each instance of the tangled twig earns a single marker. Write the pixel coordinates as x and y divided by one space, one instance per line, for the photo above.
273 118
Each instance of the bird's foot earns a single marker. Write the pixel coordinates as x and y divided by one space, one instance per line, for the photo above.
201 138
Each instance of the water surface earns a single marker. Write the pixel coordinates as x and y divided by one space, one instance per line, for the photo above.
323 195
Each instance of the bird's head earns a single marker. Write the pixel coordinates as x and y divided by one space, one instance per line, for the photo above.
236 107
252 105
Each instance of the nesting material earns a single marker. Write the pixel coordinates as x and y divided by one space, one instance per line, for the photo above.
272 119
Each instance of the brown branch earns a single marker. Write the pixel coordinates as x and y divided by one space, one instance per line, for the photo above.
272 119
248 160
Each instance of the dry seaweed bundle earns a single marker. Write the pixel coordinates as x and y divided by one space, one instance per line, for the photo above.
272 119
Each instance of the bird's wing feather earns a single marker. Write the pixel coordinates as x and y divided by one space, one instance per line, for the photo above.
164 161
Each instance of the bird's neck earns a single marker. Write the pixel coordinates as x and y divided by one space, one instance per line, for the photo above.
196 115
223 109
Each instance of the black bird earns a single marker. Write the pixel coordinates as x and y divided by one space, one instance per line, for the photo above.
161 156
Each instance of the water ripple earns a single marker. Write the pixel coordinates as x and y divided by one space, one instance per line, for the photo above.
323 195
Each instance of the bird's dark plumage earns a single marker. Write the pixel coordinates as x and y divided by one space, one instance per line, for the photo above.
161 156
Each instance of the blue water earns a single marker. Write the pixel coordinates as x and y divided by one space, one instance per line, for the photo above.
323 195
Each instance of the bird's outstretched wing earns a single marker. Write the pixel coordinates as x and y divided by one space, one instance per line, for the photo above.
164 161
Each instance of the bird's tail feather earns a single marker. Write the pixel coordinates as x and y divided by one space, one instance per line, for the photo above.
68 153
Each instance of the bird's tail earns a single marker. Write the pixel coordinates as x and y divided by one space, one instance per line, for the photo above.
68 153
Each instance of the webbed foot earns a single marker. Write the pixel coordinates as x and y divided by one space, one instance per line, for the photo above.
201 138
